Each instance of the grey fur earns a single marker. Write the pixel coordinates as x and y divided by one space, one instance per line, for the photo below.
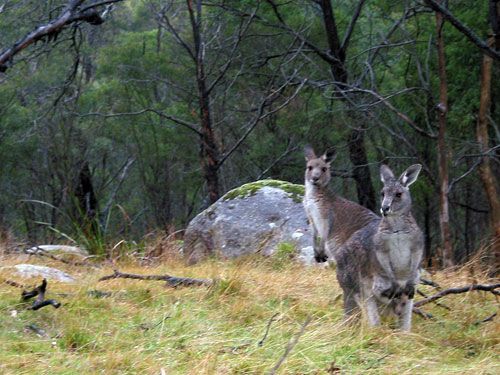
377 267
332 218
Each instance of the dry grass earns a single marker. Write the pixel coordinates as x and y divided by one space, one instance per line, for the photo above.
144 327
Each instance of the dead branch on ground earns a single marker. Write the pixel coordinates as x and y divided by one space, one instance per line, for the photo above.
13 283
290 346
261 342
485 288
488 319
43 253
172 281
40 301
428 282
437 303
422 313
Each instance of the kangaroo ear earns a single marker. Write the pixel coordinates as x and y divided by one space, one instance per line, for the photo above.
329 155
386 174
309 153
410 175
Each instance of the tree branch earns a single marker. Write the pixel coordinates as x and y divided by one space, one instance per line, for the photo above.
178 121
173 281
463 29
486 288
69 15
260 116
350 28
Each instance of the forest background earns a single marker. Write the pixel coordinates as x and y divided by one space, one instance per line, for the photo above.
123 119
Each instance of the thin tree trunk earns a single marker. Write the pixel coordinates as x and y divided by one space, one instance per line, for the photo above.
209 152
468 236
444 215
356 139
487 177
427 232
361 172
87 201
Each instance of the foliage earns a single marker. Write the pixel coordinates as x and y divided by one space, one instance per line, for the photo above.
101 96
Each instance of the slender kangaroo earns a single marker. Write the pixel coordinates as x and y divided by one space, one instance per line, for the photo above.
378 267
333 219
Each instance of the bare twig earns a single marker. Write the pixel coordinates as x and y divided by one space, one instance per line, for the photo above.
121 178
436 302
14 284
70 14
44 253
430 283
173 281
487 319
486 288
261 342
291 344
422 313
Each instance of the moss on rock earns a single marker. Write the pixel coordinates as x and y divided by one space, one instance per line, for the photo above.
294 191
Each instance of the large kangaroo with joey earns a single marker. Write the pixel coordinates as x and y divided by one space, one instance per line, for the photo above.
333 219
378 268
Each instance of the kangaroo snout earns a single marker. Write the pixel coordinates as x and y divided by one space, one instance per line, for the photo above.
384 210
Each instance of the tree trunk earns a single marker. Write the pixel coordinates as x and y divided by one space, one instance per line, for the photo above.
356 139
361 172
87 201
485 172
209 152
444 215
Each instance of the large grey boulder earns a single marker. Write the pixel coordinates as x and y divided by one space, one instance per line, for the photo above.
254 218
31 270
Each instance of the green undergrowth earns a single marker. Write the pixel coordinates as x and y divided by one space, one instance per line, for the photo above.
294 191
141 327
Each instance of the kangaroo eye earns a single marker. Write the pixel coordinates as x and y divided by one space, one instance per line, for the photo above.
323 169
309 168
398 195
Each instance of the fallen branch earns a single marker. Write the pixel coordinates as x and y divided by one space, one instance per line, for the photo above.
13 283
422 313
44 253
485 288
429 283
290 346
437 303
34 328
40 301
261 342
488 319
172 281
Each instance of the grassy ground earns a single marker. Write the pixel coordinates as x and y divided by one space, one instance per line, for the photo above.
146 328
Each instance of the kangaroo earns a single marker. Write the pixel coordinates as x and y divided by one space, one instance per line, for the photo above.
333 219
378 267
